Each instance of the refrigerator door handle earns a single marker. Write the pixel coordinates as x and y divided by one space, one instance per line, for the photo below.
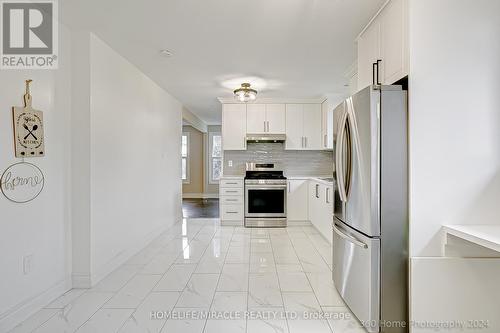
339 158
349 238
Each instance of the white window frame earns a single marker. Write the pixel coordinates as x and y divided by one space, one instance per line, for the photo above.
210 158
188 159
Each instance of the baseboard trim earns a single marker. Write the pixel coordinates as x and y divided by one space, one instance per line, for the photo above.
299 223
200 195
19 313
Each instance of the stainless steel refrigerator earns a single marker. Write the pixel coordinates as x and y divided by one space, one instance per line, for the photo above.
370 224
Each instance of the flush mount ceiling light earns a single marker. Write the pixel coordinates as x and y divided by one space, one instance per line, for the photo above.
166 53
245 93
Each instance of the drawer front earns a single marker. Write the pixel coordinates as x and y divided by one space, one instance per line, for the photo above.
231 183
232 200
232 191
231 212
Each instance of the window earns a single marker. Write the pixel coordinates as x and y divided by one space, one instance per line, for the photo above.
215 157
185 157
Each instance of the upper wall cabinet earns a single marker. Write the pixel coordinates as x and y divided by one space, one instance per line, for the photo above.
327 116
303 127
384 40
266 118
234 126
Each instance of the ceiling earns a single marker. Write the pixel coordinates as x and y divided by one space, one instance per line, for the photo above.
286 48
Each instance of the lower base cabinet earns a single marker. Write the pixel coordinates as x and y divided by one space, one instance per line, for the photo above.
321 207
231 201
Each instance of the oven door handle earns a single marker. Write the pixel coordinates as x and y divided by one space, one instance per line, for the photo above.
265 187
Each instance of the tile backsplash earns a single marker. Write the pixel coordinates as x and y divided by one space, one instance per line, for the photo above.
293 162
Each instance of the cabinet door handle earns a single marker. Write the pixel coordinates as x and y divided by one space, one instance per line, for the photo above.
231 191
231 199
305 140
324 141
289 187
317 191
232 212
378 71
268 126
327 195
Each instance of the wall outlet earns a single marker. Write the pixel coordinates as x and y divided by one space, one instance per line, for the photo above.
27 264
230 163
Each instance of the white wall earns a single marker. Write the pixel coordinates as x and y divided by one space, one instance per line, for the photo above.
135 129
454 109
40 227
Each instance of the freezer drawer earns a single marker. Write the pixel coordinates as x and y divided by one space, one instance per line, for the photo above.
356 273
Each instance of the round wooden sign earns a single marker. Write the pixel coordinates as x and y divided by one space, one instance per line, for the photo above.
22 182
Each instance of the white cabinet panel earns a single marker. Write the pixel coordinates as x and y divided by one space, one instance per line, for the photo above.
297 207
386 38
256 118
312 126
327 125
276 120
368 53
234 126
294 126
393 42
321 208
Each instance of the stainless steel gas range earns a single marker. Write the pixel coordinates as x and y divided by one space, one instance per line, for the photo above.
265 196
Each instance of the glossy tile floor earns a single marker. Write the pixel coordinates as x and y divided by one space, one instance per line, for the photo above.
208 278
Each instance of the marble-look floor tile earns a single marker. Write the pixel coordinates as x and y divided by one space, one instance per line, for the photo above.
230 301
187 320
324 289
293 281
262 263
134 292
238 255
267 320
66 298
234 277
150 315
30 324
159 264
199 291
118 278
176 278
264 291
106 321
225 326
342 320
75 314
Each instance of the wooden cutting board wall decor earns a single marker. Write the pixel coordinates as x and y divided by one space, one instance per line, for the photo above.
28 128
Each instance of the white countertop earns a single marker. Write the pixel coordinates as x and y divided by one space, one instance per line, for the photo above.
315 178
484 235
232 177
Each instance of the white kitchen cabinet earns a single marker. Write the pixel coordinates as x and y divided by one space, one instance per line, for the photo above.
294 126
276 119
312 126
297 198
327 117
303 127
384 39
266 118
234 126
256 118
368 53
321 207
231 201
393 41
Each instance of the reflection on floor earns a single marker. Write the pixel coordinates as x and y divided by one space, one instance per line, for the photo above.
200 208
249 280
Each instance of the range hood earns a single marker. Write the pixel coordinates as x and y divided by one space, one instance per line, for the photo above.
265 138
